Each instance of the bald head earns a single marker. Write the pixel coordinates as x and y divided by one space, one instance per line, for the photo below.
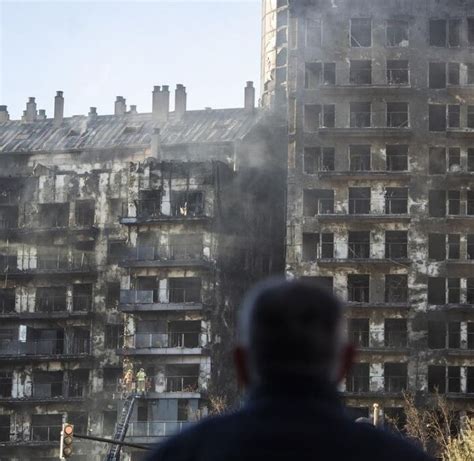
290 328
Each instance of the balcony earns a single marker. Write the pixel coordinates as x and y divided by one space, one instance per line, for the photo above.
186 384
395 384
174 256
368 175
148 431
45 434
174 343
45 392
173 299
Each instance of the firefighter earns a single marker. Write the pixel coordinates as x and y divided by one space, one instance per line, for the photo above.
141 381
128 381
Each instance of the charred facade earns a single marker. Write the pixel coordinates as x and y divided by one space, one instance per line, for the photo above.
128 238
379 102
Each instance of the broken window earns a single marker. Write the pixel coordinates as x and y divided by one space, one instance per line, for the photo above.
398 72
397 157
113 294
112 377
395 333
187 203
50 299
438 34
318 246
359 158
437 247
470 31
360 72
454 33
454 73
454 379
149 203
397 115
395 377
113 336
396 288
454 290
313 32
358 287
182 378
454 202
318 73
80 421
52 258
185 290
185 247
6 384
46 428
80 341
396 200
85 213
454 159
470 203
150 285
437 379
436 335
318 159
470 291
329 116
437 75
437 117
437 203
396 244
360 114
118 251
4 428
361 32
359 245
359 332
454 246
470 116
454 335
437 160
329 73
78 384
184 333
47 384
470 246
7 300
54 215
358 378
82 297
318 201
454 116
436 290
359 200
312 117
397 33
8 217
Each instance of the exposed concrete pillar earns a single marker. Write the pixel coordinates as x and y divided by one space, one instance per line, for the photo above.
120 106
376 333
249 102
30 115
4 116
58 108
180 100
376 377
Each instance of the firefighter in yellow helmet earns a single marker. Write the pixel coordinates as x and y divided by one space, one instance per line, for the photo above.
141 381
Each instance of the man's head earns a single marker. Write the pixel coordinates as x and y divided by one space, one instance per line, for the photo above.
291 328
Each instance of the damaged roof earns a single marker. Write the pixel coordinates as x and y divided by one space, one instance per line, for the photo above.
124 131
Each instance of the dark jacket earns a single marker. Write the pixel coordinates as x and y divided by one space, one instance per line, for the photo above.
307 424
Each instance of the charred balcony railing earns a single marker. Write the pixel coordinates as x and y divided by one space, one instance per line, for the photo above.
181 252
45 434
157 428
400 76
44 347
396 339
8 223
60 390
182 384
151 209
360 338
7 304
172 295
359 250
398 120
359 294
51 304
395 384
358 384
169 340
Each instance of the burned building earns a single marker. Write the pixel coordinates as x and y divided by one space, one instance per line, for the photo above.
379 102
127 239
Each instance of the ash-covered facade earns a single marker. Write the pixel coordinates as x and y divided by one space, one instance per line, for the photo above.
380 108
127 238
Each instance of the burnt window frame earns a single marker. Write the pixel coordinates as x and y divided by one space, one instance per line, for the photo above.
389 157
398 76
353 41
360 72
437 77
360 291
432 41
358 118
323 159
392 282
389 23
396 197
403 254
398 118
363 154
358 244
323 245
360 205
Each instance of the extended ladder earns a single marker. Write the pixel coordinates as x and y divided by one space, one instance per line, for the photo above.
121 428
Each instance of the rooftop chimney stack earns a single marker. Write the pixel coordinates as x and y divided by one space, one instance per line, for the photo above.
31 113
120 106
4 116
133 109
41 114
92 112
161 103
180 100
58 108
249 97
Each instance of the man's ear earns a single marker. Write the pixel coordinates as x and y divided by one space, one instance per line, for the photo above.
347 359
241 366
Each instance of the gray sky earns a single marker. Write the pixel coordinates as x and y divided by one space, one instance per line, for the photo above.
97 50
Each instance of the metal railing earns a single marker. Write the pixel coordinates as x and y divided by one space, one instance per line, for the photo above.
359 250
59 390
53 223
148 208
163 340
360 338
8 223
45 433
398 120
172 295
398 76
396 338
81 261
177 252
358 294
396 250
396 205
185 295
358 384
397 162
395 383
360 76
44 347
81 303
157 428
359 206
7 305
51 303
361 119
182 384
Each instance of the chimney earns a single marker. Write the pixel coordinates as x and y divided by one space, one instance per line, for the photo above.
249 97
161 104
120 106
155 143
41 114
133 109
180 98
92 112
30 115
58 108
23 117
4 116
